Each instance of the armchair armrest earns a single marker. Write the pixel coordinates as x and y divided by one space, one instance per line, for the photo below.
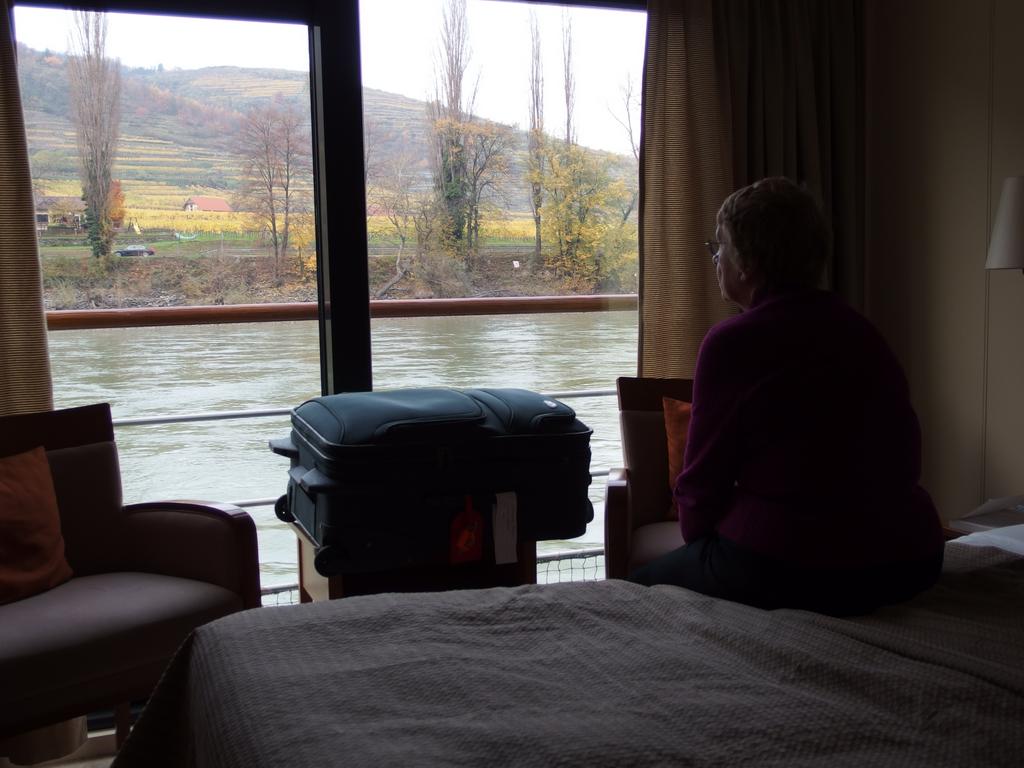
618 526
201 540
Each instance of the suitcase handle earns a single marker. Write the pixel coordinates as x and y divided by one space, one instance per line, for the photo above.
315 481
284 447
523 412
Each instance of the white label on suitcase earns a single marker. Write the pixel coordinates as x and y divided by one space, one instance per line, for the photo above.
505 528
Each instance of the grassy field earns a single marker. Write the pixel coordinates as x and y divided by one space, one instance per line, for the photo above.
71 252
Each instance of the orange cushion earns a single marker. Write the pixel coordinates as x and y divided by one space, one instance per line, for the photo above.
677 424
31 544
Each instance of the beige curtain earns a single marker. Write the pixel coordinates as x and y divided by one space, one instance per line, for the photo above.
24 363
736 90
685 173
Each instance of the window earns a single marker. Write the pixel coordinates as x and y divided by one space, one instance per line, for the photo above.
189 229
168 173
501 159
501 147
209 203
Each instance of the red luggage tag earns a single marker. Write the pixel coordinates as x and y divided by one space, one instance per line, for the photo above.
467 535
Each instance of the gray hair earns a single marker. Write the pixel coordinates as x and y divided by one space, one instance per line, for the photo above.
779 233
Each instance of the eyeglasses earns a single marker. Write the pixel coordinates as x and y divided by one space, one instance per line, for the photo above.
714 248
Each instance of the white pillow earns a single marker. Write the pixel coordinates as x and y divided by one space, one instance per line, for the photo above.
1010 538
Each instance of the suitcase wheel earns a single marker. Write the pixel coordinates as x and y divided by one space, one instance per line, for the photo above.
327 561
281 510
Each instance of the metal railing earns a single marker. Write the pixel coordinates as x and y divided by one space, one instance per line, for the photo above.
75 319
552 568
255 413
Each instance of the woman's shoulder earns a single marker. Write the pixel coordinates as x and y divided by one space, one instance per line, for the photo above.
727 336
729 328
801 306
778 318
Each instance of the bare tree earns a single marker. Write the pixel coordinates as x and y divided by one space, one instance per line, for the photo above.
274 147
371 142
455 55
630 105
535 140
436 271
95 84
392 196
569 79
487 148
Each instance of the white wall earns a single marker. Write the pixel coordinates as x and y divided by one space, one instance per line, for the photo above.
945 124
1004 428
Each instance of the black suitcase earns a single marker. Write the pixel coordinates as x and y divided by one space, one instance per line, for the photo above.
391 479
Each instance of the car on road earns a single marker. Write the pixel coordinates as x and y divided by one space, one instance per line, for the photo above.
135 250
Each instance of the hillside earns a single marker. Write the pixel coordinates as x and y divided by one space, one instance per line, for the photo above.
178 128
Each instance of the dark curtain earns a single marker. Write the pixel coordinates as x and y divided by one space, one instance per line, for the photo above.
736 90
793 74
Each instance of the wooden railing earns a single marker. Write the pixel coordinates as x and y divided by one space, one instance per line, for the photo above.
74 319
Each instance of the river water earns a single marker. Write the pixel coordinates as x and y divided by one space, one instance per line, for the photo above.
192 369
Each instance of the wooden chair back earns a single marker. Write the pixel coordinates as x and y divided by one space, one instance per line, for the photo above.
83 460
645 445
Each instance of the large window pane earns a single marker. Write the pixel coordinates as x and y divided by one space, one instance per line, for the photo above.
205 125
501 144
171 158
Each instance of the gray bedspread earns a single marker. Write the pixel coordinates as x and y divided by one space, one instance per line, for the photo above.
602 674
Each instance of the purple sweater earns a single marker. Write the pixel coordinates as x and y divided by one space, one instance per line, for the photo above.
803 444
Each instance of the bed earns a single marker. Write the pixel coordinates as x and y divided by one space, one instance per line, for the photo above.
601 674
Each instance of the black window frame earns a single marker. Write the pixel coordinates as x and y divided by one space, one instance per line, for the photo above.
336 112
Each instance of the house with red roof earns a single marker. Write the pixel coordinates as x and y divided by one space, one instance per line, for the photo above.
218 204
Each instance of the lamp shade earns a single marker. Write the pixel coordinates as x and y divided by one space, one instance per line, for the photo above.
1006 248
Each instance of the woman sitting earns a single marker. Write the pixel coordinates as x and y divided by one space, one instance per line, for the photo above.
799 486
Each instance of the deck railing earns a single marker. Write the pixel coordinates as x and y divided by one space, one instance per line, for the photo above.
135 317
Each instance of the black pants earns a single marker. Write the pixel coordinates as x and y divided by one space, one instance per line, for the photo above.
715 566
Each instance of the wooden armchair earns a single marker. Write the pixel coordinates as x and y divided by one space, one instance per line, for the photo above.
640 521
144 576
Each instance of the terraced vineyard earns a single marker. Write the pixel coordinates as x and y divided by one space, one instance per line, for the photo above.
155 173
178 130
232 88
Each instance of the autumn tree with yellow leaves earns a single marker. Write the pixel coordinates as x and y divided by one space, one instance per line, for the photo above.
586 236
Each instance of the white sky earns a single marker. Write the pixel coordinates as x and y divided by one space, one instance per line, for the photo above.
399 40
